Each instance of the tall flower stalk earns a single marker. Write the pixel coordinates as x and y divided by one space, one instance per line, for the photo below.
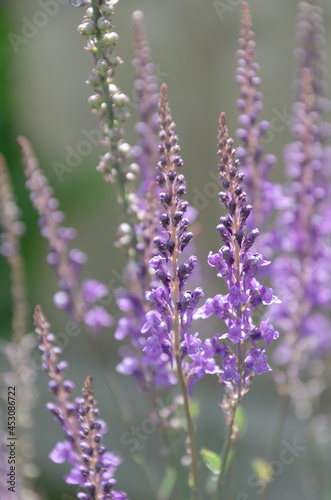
263 195
169 321
77 299
109 103
93 466
304 264
18 351
242 357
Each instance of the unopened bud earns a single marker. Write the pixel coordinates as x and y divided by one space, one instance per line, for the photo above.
120 99
103 24
124 148
88 28
110 38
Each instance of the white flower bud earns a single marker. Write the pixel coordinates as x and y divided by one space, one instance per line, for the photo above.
110 38
112 89
124 148
124 228
120 99
130 177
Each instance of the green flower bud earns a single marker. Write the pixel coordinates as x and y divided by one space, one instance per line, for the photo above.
87 29
106 10
102 66
103 24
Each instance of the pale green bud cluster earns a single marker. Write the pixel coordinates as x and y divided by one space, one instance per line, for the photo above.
108 102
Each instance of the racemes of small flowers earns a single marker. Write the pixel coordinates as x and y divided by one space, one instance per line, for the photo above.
302 271
262 194
93 466
78 300
242 355
168 323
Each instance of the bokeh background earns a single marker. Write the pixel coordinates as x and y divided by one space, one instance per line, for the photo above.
43 96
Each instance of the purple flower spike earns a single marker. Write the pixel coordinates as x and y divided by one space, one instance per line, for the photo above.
302 272
241 357
93 467
264 196
67 263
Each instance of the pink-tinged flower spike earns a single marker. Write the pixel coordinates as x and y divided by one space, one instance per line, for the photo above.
13 228
311 41
242 357
18 351
77 301
262 194
302 273
93 466
146 151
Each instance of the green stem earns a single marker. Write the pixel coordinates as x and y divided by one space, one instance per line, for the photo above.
224 456
190 430
120 180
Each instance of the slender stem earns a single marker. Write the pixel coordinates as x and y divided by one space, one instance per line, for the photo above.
190 430
120 179
224 456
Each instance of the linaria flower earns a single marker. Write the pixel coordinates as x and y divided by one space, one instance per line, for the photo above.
241 351
302 272
93 466
262 194
77 300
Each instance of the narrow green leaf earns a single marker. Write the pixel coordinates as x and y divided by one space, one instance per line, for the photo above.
211 460
168 483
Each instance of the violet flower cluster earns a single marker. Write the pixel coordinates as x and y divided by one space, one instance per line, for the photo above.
169 322
242 357
302 273
78 300
93 466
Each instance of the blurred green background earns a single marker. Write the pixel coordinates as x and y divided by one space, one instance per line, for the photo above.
43 96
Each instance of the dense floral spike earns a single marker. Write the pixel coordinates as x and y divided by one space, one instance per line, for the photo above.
263 195
169 322
146 151
10 248
310 53
242 358
78 302
302 273
93 467
22 376
18 352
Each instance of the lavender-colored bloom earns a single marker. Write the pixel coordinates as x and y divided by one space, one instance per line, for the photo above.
302 273
93 467
146 152
173 306
242 357
67 263
262 194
